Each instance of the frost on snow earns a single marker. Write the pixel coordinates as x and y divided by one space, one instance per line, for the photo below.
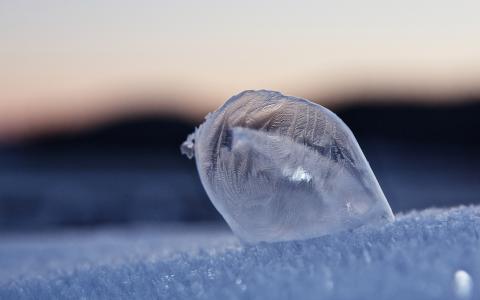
282 168
422 255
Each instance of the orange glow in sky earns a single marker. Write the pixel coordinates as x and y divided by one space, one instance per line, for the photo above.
79 60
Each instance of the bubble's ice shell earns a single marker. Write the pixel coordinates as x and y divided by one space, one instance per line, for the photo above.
282 168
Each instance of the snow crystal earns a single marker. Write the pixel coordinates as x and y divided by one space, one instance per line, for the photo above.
463 284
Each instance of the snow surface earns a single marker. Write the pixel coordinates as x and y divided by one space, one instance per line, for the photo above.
432 254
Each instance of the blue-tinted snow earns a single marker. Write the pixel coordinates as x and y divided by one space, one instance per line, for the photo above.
433 254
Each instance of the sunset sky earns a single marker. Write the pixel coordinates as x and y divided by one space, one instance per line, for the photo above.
71 60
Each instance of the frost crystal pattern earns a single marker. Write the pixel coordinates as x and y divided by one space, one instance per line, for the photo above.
282 168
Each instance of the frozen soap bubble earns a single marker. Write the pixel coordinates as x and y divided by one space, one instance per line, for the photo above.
282 168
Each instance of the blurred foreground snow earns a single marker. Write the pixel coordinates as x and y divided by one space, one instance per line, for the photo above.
433 254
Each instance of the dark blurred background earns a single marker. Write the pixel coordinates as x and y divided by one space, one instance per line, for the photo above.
97 96
131 170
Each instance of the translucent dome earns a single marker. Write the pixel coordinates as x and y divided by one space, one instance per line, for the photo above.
282 168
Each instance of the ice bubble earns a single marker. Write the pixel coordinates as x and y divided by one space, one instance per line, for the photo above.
282 168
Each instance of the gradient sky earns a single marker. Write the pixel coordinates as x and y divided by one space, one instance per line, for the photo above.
58 59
